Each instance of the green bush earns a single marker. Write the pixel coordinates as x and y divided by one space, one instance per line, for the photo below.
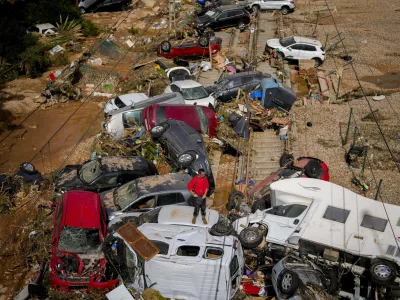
35 61
89 28
133 30
59 59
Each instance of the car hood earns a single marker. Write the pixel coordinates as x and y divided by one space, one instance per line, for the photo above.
202 19
108 199
274 43
68 177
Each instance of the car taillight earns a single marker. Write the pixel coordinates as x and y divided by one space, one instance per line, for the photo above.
291 2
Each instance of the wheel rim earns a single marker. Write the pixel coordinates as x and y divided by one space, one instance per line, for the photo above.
287 281
165 47
284 11
157 129
185 158
251 236
242 26
382 271
29 167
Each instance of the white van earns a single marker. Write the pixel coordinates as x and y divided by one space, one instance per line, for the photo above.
325 220
191 263
116 121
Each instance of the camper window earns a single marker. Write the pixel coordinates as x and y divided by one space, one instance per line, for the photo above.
213 253
336 214
289 211
188 251
163 247
374 223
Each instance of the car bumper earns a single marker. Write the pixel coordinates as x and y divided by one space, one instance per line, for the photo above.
73 286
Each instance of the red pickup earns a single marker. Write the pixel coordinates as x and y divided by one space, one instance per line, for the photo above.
201 118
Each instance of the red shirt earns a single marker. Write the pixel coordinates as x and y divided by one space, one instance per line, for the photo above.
198 184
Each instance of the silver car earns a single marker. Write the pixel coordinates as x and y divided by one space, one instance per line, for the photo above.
285 6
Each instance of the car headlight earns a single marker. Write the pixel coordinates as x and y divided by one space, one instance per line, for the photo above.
157 129
185 158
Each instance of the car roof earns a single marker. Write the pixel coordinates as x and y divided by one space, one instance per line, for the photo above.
182 215
184 84
82 209
305 40
45 26
162 183
241 74
123 163
229 7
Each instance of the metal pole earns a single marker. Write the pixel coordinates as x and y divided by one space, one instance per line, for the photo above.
354 136
326 41
316 22
378 189
338 87
348 127
365 160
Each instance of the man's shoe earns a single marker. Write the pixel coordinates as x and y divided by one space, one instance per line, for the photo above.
194 219
204 220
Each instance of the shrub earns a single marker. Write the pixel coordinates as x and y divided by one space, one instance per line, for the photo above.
59 59
133 30
35 61
89 28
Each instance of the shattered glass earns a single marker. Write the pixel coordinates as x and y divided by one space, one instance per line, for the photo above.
203 120
125 195
194 93
90 171
80 240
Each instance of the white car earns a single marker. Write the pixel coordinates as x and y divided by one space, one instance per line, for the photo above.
43 29
295 47
285 6
192 91
124 100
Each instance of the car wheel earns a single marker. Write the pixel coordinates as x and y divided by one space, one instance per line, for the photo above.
313 169
250 237
258 205
186 159
221 229
288 282
285 10
256 7
382 272
235 198
165 46
82 10
27 168
286 160
158 130
317 63
242 26
280 55
203 41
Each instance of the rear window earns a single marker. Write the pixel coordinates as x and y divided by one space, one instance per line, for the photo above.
160 114
118 102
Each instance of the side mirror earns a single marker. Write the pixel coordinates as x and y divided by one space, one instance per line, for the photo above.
290 49
295 222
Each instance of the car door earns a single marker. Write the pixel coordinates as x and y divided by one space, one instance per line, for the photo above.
309 51
294 51
267 4
222 21
247 83
234 17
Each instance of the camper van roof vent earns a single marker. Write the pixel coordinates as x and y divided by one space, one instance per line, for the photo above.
336 214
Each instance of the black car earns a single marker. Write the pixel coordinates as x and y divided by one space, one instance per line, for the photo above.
226 88
102 5
103 173
185 148
223 17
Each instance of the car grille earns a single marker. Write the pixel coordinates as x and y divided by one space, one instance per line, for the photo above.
78 287
79 279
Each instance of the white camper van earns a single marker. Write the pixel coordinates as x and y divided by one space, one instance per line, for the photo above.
330 222
191 262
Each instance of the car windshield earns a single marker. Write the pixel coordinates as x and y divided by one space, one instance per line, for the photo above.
90 171
125 195
194 93
222 83
80 240
285 42
211 13
203 120
289 211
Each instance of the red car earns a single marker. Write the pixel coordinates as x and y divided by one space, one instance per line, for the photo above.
190 48
201 118
77 261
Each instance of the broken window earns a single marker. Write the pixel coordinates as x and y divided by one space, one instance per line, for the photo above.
80 240
126 194
132 118
163 247
146 202
188 251
90 171
203 119
374 223
289 211
336 214
213 253
234 266
160 114
119 103
170 198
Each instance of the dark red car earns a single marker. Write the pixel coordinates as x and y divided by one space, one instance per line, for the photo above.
190 47
201 118
77 262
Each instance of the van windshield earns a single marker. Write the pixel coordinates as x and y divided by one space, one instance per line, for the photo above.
289 211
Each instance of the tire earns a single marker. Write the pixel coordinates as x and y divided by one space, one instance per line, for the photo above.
221 229
165 46
280 55
242 26
158 130
382 272
28 168
203 41
318 62
313 169
255 7
250 237
288 282
285 10
234 199
258 205
286 160
82 10
331 282
187 163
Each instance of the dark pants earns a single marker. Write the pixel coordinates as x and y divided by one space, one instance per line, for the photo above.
199 202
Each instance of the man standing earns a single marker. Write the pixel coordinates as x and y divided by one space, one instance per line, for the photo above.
198 187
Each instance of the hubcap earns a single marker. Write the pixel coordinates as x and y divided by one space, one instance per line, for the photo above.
382 271
287 281
185 158
251 235
157 129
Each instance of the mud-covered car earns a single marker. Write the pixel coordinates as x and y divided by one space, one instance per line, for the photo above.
147 193
185 148
292 276
102 173
77 261
190 47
